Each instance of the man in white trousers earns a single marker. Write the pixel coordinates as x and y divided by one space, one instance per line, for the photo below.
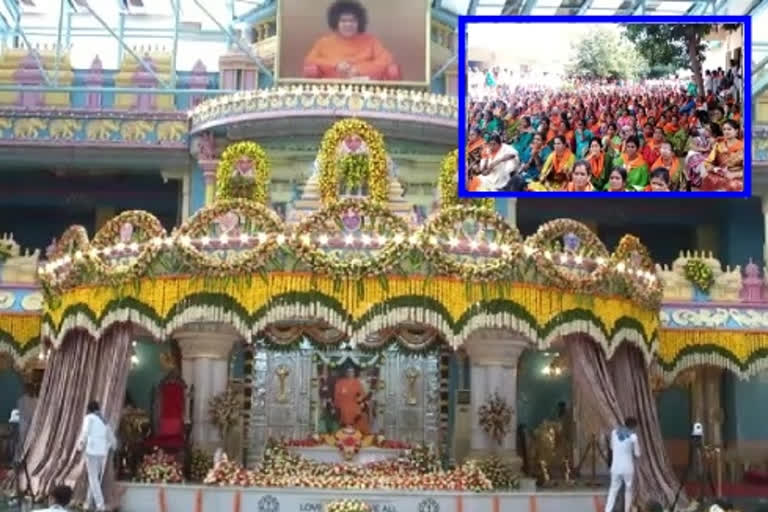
625 448
96 439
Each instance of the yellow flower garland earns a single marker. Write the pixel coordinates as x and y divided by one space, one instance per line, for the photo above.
378 169
448 185
226 168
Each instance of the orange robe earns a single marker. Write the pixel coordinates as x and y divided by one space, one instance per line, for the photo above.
363 51
348 394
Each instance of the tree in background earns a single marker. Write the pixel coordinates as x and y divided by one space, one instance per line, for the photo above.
673 45
606 53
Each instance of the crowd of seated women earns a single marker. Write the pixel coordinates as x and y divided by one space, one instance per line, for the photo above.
599 137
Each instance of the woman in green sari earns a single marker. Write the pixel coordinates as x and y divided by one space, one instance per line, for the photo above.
634 163
583 138
490 125
524 136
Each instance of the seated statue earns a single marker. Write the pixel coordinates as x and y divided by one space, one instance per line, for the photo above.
348 52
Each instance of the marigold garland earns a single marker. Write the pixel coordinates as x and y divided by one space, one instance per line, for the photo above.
378 168
699 273
448 185
253 185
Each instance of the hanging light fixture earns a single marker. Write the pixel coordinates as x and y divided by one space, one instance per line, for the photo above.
556 367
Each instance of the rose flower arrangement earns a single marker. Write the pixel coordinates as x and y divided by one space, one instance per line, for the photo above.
160 468
281 468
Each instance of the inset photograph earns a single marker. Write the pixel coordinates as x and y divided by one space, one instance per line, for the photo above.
589 105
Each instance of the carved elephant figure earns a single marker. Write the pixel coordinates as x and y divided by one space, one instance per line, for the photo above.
171 131
101 129
29 128
136 131
5 124
64 128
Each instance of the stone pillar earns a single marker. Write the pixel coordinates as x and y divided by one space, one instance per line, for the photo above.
205 352
494 356
209 175
512 211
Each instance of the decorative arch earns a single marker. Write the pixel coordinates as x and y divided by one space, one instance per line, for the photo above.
243 173
378 169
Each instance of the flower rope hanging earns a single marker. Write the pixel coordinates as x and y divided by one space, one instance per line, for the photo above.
243 173
495 417
376 170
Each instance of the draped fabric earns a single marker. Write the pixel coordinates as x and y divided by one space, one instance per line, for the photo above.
633 390
613 391
81 370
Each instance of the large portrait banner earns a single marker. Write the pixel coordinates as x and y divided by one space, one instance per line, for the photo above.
366 41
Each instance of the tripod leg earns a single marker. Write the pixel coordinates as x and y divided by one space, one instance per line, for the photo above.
683 481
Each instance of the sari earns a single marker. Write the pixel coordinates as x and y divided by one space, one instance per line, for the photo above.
532 166
651 151
523 143
474 156
492 127
694 161
675 171
583 140
557 169
600 169
572 188
725 167
499 176
637 170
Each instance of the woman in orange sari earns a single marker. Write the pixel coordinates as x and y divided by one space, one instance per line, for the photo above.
725 165
669 161
557 169
580 178
474 157
599 164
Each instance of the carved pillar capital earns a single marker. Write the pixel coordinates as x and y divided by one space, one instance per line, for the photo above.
495 347
210 341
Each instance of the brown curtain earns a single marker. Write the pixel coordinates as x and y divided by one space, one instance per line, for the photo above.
633 389
593 379
81 370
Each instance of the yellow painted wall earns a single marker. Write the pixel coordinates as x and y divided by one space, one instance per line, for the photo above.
762 109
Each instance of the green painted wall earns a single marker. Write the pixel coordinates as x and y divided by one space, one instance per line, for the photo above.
674 408
744 402
537 394
147 373
11 388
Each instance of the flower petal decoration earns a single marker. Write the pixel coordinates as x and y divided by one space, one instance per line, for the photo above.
328 159
243 173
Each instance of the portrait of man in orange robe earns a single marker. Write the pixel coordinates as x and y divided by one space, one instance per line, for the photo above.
350 399
348 51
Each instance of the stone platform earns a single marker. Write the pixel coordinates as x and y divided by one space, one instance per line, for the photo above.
196 498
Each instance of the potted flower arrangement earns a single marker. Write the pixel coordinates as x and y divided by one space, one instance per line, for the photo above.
160 468
200 464
699 273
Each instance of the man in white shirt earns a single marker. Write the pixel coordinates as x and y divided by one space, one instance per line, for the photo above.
96 439
61 496
625 448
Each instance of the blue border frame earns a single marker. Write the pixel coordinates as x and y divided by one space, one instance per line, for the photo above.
746 107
